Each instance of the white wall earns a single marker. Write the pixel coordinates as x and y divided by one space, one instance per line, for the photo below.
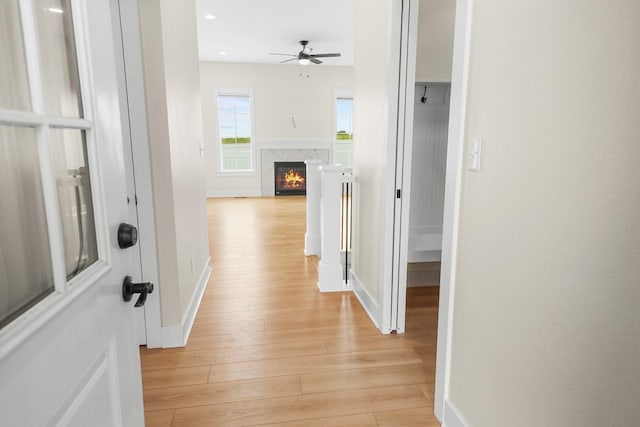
428 164
546 319
279 91
435 40
372 56
169 43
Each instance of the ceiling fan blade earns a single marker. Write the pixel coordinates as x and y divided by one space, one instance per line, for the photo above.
314 60
282 54
326 55
288 60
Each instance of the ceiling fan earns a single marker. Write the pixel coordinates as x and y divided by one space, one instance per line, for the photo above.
305 56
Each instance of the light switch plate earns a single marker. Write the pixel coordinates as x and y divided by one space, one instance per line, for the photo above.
475 153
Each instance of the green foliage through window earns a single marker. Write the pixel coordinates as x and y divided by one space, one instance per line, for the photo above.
240 140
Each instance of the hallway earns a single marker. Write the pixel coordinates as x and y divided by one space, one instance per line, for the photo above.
268 349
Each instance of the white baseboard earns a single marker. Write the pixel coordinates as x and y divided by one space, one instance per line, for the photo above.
369 304
172 336
452 417
178 335
312 244
256 193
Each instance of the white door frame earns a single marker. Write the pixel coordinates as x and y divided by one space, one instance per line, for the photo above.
396 234
132 78
395 105
452 196
400 165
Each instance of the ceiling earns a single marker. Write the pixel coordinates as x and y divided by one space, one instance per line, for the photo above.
248 30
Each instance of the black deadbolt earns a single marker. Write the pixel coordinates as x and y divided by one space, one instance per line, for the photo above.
127 235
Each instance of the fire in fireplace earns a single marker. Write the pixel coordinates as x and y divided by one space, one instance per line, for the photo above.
290 178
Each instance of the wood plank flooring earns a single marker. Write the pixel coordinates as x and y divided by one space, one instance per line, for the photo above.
268 349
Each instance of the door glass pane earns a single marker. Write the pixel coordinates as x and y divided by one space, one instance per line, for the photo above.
58 58
14 89
69 157
26 275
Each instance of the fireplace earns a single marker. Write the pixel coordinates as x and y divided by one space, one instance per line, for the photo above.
290 178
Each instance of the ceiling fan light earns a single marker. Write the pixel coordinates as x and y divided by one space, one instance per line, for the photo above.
304 61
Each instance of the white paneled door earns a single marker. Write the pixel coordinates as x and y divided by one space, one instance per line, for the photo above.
68 353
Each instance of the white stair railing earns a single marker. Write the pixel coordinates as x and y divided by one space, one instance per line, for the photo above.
312 236
335 220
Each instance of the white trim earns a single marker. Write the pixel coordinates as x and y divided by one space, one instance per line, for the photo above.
399 169
388 195
294 143
338 284
312 243
405 149
178 335
425 238
65 292
433 81
31 321
22 118
424 256
137 111
213 193
69 123
190 316
95 138
452 417
173 336
312 236
367 302
452 196
49 189
79 393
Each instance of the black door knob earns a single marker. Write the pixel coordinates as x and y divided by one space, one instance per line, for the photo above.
127 235
129 288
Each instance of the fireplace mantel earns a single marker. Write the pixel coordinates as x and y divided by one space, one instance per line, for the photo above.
295 144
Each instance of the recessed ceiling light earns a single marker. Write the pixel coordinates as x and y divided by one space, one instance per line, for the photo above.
222 52
210 16
54 10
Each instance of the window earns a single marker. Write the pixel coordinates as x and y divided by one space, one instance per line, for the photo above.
344 131
235 132
47 226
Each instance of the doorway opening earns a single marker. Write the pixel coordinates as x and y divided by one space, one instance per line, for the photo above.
428 167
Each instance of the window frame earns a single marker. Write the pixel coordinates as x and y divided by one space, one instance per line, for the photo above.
239 92
65 291
340 94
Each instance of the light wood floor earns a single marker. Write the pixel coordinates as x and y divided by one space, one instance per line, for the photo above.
268 349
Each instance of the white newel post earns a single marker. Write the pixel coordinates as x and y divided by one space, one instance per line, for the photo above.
312 236
330 268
